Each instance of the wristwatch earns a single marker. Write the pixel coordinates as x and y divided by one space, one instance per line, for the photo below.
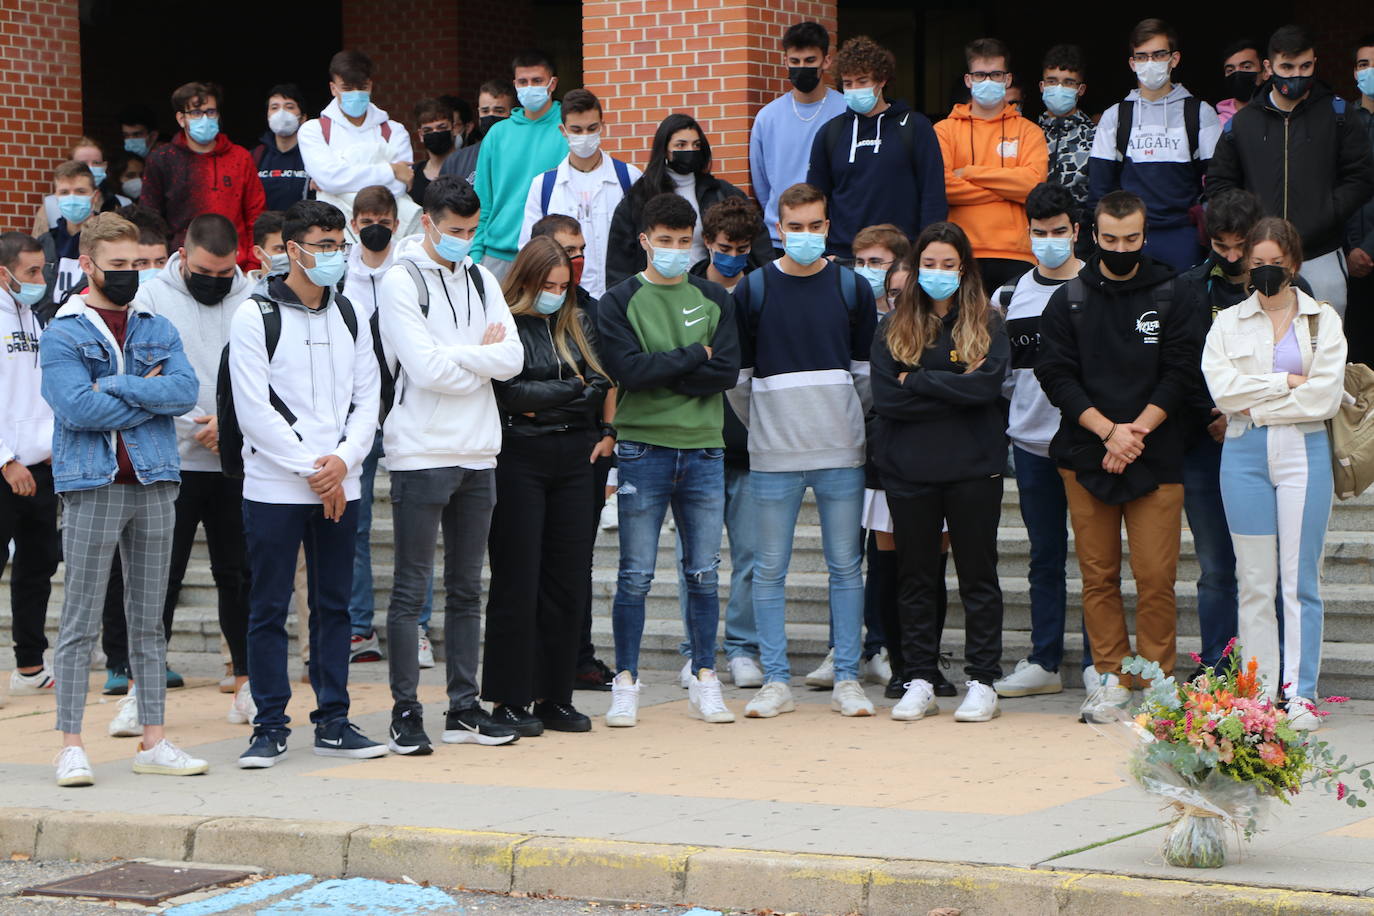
608 430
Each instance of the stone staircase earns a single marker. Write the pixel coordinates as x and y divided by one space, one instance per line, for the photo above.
1348 590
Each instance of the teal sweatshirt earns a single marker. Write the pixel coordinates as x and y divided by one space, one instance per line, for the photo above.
512 154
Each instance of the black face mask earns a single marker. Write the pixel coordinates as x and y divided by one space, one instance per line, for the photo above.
438 142
1120 263
1292 87
375 237
119 286
1269 279
486 122
687 161
1230 268
1240 85
804 78
208 290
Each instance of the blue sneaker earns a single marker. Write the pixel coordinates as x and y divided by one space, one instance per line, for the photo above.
116 682
174 680
341 738
265 749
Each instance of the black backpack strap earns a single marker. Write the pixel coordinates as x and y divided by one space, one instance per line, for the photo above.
1004 296
271 323
1125 114
1192 128
350 317
1075 292
475 277
849 292
421 288
1164 298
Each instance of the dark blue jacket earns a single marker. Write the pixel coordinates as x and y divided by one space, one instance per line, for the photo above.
283 176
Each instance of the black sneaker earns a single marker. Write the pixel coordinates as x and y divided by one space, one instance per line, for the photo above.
408 734
341 738
896 688
174 680
519 719
474 726
593 676
561 717
943 688
266 749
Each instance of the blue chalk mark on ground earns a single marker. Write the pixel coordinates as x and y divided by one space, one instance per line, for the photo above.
239 896
700 912
362 897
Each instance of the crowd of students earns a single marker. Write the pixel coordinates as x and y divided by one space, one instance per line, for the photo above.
1140 315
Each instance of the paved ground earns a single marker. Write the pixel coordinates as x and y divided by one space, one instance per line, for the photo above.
1032 788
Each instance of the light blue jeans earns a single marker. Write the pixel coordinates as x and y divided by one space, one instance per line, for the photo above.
741 523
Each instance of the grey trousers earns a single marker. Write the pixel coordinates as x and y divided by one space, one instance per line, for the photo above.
1327 276
140 520
498 267
458 501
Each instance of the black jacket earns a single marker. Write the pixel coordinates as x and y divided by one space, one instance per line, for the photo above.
548 387
941 424
1302 165
624 255
1119 356
736 436
1359 232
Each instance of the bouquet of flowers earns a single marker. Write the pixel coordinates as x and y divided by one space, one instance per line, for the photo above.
1216 749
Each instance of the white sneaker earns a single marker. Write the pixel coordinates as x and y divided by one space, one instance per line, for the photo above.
684 677
917 703
125 724
1091 679
980 704
1107 702
166 759
877 670
773 699
745 672
1301 716
824 676
243 710
610 518
624 711
426 650
848 699
1028 680
73 769
40 682
99 661
704 701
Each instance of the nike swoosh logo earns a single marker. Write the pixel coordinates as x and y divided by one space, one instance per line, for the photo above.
688 324
336 742
281 748
690 311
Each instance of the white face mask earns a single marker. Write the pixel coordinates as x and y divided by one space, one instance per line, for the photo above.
283 123
1153 74
584 146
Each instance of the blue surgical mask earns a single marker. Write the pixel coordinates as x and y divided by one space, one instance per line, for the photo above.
203 130
1060 100
989 92
75 208
450 247
938 284
28 293
804 247
547 303
354 102
136 145
329 268
729 265
532 98
1051 253
148 275
1365 80
671 263
99 173
876 277
861 101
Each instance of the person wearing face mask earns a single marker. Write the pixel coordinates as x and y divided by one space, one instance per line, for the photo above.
1241 72
124 184
89 153
587 185
77 199
780 141
269 248
1297 149
201 171
993 157
1359 231
436 125
198 293
495 101
1118 358
1068 129
138 127
1276 366
879 161
514 151
281 169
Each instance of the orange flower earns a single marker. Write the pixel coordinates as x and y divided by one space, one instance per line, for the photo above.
1272 754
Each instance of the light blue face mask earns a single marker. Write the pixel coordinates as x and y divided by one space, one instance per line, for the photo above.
876 277
329 268
354 102
75 208
1051 253
279 264
671 263
136 145
148 274
99 173
1365 80
861 101
532 98
989 92
804 247
28 294
1060 100
203 130
938 284
450 247
547 303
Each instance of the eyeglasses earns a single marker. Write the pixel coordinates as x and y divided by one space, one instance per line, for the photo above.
195 114
1159 57
325 247
995 75
877 263
1068 82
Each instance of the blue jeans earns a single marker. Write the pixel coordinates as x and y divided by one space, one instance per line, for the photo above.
741 637
692 481
275 533
1216 586
1178 247
361 608
840 500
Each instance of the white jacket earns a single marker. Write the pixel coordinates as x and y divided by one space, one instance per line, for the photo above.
594 215
362 283
326 378
350 162
25 418
445 412
1238 364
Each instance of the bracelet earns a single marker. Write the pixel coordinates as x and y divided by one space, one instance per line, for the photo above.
608 430
1107 437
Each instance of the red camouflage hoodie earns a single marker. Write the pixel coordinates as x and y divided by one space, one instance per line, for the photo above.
181 184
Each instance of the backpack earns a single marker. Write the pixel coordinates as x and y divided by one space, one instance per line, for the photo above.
230 434
1192 127
622 174
1077 293
1351 430
757 289
390 369
327 125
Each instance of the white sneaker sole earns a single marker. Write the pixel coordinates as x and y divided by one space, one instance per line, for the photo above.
426 663
76 780
237 718
29 691
932 710
1010 693
622 721
261 763
980 717
405 750
765 712
361 753
820 682
748 682
136 732
467 737
153 769
715 718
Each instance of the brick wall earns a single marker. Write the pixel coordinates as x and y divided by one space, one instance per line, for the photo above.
718 60
40 101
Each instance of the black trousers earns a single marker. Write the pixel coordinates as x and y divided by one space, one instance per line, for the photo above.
881 589
998 272
31 522
586 652
540 551
1359 319
972 509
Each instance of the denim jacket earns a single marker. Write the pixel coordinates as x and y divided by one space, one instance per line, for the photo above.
77 352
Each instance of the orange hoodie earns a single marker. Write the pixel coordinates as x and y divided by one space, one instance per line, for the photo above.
1000 160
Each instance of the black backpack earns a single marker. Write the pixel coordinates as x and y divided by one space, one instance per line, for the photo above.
1192 127
230 435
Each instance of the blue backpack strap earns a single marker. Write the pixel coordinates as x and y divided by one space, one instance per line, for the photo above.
622 174
546 190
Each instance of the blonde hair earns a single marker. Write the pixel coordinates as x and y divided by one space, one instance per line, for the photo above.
106 227
913 326
525 282
87 141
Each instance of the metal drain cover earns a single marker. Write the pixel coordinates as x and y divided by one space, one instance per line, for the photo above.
137 882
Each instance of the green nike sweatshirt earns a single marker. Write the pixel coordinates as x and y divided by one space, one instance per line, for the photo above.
512 154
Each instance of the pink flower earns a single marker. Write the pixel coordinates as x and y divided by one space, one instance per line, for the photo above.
1337 700
1226 653
1197 658
1340 791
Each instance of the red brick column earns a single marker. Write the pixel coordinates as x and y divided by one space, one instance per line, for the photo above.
40 101
717 60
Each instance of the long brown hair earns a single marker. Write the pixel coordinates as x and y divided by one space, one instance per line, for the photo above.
912 325
525 282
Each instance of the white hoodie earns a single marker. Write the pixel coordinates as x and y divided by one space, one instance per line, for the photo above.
355 157
25 418
204 331
445 413
362 283
318 371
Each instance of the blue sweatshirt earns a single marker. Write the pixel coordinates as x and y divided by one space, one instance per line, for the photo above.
780 147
